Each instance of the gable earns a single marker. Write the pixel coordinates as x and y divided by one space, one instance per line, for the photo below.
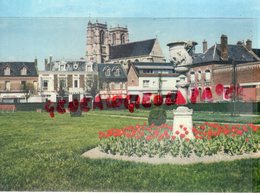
156 50
132 77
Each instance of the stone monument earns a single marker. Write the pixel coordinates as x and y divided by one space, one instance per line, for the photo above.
181 57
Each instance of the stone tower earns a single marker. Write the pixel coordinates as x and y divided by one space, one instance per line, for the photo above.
97 42
99 39
118 35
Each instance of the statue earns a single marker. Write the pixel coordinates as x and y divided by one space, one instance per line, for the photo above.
181 57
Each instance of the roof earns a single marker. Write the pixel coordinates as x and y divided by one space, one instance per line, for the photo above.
139 48
256 51
139 66
101 68
235 52
15 68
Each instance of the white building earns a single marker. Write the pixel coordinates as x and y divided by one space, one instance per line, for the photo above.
154 78
65 78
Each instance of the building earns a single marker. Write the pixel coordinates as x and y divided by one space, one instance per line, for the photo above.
112 80
63 79
113 46
154 78
18 81
141 51
215 66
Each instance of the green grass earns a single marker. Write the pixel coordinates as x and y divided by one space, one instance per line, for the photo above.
197 116
38 153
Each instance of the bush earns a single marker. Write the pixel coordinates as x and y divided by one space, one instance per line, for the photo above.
157 116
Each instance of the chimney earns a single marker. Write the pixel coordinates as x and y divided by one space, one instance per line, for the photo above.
205 46
46 64
249 44
224 47
239 43
50 63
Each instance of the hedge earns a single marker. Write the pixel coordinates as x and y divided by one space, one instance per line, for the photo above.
240 107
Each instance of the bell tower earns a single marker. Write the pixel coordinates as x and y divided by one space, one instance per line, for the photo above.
97 42
118 35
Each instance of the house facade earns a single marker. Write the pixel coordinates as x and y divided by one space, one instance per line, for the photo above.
112 80
18 81
63 79
151 78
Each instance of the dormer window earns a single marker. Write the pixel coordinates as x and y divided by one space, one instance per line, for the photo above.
107 72
7 71
23 71
117 72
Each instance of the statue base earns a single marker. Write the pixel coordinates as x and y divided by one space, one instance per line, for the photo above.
182 118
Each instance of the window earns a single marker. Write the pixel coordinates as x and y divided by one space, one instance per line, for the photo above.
122 39
45 84
23 85
35 85
104 85
88 68
123 86
62 84
117 72
75 83
199 75
7 85
7 71
113 38
147 71
146 83
208 75
117 86
192 77
107 72
102 37
23 71
62 67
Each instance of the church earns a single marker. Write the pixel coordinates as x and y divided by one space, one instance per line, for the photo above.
112 46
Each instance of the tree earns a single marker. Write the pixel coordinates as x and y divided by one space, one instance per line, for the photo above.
92 87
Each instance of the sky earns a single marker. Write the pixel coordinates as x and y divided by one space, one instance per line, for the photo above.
38 28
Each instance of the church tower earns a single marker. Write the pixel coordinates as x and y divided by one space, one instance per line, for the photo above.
118 35
97 42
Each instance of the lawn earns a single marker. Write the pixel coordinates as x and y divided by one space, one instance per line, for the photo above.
197 116
38 153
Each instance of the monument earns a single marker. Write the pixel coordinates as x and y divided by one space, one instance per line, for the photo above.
181 56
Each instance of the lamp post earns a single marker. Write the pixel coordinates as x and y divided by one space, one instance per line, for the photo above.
234 84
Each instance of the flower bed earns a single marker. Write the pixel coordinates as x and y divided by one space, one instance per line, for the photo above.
161 140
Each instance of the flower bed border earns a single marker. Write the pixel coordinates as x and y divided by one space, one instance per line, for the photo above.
97 154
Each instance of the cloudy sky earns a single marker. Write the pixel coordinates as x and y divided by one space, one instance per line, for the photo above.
39 28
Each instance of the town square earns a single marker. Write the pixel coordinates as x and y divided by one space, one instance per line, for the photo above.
129 96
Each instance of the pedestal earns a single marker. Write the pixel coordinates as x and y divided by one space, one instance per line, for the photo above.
182 117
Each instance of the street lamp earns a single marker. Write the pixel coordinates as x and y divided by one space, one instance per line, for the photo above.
234 83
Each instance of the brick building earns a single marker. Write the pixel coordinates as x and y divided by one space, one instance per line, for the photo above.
15 80
215 66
